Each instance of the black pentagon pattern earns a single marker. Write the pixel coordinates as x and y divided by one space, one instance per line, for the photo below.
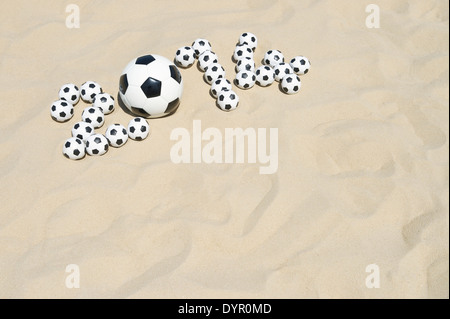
66 89
76 152
123 83
132 129
67 145
302 62
145 60
175 73
172 106
306 71
143 128
113 132
83 92
151 87
53 108
76 126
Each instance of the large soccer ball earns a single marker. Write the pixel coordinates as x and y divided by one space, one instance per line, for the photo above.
151 86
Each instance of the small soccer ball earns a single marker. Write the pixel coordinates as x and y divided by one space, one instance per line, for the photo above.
104 102
74 148
300 65
69 92
206 58
245 79
282 69
273 57
220 85
82 130
249 39
89 90
138 129
213 72
247 64
242 51
61 111
227 100
200 46
97 144
94 116
265 75
185 56
117 135
290 84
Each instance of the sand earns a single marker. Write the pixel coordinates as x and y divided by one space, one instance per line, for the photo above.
362 174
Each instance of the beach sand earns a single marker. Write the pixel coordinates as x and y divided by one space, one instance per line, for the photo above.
362 174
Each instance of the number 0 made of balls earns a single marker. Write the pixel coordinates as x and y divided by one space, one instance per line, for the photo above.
151 86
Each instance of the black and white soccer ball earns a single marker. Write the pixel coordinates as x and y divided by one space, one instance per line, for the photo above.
282 69
74 148
201 45
227 100
89 90
138 129
104 102
61 111
220 85
82 130
245 64
94 116
213 72
117 135
273 57
250 39
151 86
185 56
206 58
290 84
265 75
300 65
245 79
69 92
242 51
97 144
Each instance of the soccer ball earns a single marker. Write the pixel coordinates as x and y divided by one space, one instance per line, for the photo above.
265 75
207 58
97 144
282 69
200 46
227 100
89 90
104 102
185 56
213 72
138 129
290 84
151 86
242 51
61 111
82 130
245 79
220 85
245 64
300 65
249 39
70 93
273 57
74 148
94 116
117 135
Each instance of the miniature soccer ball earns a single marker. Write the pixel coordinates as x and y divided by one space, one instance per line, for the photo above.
151 86
249 39
300 65
207 58
245 64
97 144
273 57
61 111
242 51
94 116
290 84
220 85
104 102
117 135
70 93
245 79
227 100
265 75
82 130
89 90
282 69
74 148
200 46
138 129
185 56
213 72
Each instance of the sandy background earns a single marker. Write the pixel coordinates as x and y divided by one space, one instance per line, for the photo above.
363 156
